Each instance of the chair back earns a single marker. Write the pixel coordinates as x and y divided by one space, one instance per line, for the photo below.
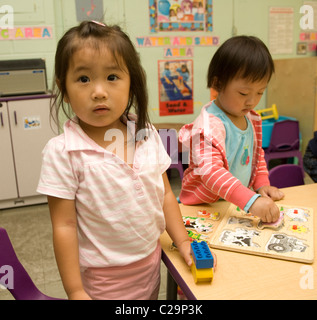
170 142
16 279
285 136
286 175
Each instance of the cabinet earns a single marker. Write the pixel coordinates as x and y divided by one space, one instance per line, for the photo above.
25 129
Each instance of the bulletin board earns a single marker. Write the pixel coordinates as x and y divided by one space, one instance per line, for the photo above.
180 29
185 15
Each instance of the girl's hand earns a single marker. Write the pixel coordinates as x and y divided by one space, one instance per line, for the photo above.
265 209
271 192
184 249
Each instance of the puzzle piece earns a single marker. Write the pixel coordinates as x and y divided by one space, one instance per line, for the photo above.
198 224
204 214
273 225
298 228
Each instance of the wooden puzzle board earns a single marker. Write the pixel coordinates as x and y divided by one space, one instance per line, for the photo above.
238 231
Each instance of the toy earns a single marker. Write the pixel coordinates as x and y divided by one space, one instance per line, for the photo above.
193 235
204 214
197 236
290 238
203 262
198 224
202 275
273 225
274 111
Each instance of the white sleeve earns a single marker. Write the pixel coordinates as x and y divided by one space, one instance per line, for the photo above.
58 177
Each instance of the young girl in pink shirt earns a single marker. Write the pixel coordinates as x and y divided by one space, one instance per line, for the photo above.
227 159
108 193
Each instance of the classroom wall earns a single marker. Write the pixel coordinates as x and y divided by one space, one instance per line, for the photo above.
230 17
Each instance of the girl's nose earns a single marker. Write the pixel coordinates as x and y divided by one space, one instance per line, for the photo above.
99 92
250 101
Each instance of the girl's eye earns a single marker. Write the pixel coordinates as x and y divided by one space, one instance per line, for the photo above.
112 77
243 94
84 79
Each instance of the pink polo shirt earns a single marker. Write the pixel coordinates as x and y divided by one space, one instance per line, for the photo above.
119 208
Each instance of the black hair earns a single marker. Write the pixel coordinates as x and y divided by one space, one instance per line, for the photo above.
244 57
93 34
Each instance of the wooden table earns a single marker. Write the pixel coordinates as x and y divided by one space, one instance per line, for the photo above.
245 276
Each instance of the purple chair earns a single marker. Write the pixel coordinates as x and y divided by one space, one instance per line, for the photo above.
22 286
284 142
170 142
286 175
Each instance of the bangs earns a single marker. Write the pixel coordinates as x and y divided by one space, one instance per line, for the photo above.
240 57
258 66
100 45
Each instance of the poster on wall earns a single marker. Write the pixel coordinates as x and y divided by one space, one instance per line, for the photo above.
175 87
89 10
180 15
281 25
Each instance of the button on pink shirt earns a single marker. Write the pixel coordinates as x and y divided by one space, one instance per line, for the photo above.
119 208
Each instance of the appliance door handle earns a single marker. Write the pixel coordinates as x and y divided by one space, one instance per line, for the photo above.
1 119
15 118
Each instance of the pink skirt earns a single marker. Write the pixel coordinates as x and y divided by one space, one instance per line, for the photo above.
137 281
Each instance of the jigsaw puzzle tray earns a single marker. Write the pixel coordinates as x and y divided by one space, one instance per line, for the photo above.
291 239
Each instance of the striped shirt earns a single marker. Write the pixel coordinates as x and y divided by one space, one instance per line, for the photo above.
208 178
119 207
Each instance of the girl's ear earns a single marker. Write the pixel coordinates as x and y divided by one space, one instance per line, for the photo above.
58 83
216 85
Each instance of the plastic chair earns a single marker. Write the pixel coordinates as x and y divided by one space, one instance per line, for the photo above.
284 142
286 175
170 142
23 287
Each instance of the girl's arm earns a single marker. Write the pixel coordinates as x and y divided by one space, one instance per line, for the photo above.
64 222
174 222
221 182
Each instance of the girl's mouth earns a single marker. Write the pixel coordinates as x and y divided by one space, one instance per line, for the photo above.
101 109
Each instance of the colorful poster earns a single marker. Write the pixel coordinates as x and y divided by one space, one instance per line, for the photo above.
175 87
89 10
180 15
